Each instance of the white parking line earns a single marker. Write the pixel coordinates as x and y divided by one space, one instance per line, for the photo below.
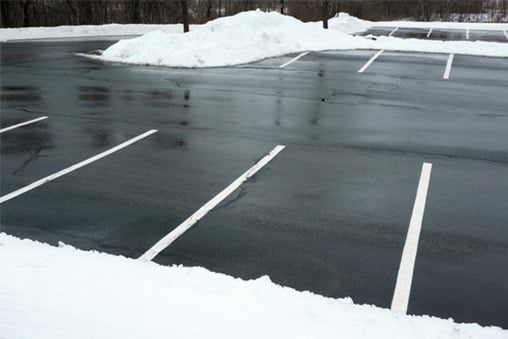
22 124
430 32
394 30
467 34
448 69
506 34
200 213
73 167
405 276
294 59
361 70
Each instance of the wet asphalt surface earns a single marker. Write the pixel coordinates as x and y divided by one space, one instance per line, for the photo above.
329 214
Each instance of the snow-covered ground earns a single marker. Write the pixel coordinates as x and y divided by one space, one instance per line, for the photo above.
61 292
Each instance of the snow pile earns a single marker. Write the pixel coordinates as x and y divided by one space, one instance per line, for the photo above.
252 36
242 38
24 33
346 23
61 292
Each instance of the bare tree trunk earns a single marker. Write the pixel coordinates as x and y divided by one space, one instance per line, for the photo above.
26 20
324 13
185 16
106 12
75 12
209 10
424 10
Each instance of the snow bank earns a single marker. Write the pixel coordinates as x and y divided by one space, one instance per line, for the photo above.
61 292
24 33
252 36
478 48
442 25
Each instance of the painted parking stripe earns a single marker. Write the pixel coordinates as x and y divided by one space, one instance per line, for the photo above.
394 30
405 276
22 124
200 213
430 32
361 70
467 34
448 69
506 34
67 170
294 59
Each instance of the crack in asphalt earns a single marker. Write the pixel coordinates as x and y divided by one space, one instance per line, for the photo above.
33 157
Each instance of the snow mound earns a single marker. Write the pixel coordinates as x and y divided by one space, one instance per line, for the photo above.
242 38
62 292
251 36
346 23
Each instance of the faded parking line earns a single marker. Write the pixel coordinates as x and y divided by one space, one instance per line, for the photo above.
56 175
22 124
200 213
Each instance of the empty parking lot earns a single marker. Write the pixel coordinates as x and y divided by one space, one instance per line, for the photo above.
329 213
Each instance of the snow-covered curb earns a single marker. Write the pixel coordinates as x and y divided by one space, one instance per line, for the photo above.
62 292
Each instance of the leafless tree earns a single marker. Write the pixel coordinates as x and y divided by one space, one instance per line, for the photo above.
324 13
18 13
185 15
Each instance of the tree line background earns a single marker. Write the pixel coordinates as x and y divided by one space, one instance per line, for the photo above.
24 13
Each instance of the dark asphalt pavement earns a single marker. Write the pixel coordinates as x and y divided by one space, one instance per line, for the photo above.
329 214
